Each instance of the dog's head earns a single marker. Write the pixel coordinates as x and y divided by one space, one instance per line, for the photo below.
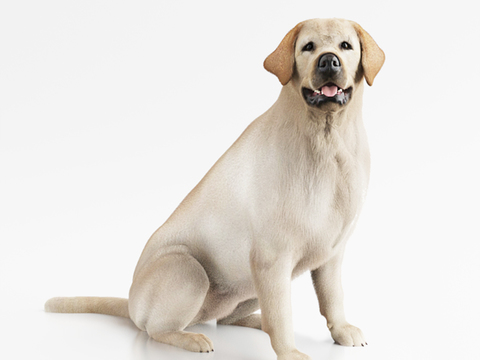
325 60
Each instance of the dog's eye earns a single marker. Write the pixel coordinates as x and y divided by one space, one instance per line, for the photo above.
309 47
346 46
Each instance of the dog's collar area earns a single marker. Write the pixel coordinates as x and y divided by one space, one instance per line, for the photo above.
327 93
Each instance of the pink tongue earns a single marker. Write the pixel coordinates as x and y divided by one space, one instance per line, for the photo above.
329 91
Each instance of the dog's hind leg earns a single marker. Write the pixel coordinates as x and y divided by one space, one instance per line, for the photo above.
166 296
242 315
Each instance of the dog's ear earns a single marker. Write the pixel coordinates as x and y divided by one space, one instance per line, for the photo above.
282 60
372 56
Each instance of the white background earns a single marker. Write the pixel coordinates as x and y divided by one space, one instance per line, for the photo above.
111 111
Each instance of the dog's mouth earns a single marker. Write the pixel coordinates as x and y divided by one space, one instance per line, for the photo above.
327 93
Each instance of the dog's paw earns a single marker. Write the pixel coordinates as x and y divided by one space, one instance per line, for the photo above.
294 355
348 335
186 340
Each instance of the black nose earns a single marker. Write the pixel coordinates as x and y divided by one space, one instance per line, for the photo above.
329 63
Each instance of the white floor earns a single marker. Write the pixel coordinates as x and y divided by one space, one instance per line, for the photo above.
420 330
89 336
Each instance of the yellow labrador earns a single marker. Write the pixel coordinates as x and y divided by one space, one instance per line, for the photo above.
282 200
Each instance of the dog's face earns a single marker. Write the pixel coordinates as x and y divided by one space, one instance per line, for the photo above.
325 60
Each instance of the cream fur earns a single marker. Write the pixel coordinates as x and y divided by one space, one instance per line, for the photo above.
281 201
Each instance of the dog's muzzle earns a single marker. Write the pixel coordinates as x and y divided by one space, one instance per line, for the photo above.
329 69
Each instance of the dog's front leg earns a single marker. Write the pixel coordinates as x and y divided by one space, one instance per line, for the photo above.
272 282
328 286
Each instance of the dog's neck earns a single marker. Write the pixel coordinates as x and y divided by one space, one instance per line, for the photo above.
317 122
327 132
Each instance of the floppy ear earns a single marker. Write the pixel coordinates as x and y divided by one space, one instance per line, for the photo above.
372 56
282 60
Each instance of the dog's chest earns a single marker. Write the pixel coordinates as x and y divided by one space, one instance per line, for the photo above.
324 203
332 191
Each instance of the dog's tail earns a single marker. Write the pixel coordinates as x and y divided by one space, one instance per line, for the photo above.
99 305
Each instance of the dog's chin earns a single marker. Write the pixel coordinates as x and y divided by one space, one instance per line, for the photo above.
329 94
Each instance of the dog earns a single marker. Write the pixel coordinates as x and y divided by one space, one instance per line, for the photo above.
282 200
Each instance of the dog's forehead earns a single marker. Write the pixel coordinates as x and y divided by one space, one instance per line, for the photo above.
327 29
